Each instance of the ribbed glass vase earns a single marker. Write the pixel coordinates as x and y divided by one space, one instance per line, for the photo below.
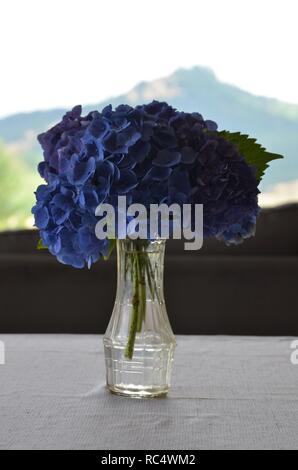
139 342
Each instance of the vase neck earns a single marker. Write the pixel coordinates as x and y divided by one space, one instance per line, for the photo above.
141 246
141 261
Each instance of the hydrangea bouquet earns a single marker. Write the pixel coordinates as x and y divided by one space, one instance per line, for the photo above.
152 154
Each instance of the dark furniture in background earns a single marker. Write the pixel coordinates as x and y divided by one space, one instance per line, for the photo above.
250 289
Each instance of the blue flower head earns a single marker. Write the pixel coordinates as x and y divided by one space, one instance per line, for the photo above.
152 154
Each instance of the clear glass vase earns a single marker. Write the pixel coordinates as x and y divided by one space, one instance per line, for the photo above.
139 342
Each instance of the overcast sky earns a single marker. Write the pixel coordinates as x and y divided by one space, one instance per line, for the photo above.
63 52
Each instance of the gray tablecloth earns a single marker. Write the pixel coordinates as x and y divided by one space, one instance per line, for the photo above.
228 393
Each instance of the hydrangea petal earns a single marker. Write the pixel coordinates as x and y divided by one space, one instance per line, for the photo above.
167 158
42 217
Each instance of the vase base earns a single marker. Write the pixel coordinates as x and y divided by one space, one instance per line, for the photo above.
138 392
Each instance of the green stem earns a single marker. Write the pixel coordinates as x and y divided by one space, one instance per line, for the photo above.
150 278
140 270
135 312
142 290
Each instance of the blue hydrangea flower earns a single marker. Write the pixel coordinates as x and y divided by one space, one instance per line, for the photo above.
152 154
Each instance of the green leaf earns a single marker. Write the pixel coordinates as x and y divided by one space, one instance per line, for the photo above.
253 152
112 244
40 245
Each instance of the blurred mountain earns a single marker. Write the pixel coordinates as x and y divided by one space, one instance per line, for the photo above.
272 122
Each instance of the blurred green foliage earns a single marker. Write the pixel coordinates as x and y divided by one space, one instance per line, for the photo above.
17 185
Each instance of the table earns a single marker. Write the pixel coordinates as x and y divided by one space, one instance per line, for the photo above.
228 393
